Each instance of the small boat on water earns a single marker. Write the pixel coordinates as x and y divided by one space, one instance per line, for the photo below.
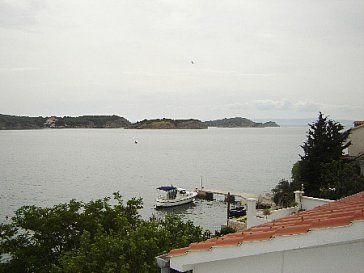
237 212
172 196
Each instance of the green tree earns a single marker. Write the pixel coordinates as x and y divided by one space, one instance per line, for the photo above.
99 236
283 193
132 252
340 179
326 141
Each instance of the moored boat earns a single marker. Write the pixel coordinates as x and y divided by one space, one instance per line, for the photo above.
237 212
173 196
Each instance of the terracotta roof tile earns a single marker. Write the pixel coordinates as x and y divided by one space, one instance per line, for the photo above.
201 246
285 223
178 251
290 230
359 215
263 228
257 236
342 214
234 235
334 214
333 222
229 241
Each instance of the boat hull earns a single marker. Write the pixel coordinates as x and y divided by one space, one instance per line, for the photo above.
165 203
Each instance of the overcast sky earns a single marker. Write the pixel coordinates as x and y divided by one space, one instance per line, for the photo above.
200 59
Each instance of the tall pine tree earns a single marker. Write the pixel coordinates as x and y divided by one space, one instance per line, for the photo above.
326 142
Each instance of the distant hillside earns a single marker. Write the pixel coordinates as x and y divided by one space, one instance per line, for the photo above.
168 124
238 122
21 122
8 122
94 122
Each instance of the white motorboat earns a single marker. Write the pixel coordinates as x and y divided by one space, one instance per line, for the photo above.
173 196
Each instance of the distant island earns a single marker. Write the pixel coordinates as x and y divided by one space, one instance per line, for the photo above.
239 122
10 122
168 124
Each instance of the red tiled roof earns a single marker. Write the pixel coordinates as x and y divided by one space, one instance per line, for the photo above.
335 214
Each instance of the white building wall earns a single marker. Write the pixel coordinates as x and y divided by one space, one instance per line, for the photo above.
357 141
312 202
277 214
324 259
267 263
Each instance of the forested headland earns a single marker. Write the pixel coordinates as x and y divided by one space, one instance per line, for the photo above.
169 124
239 122
8 122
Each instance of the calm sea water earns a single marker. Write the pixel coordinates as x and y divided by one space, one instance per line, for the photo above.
47 167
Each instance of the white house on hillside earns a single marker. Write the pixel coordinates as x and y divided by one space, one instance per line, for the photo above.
357 140
328 238
356 149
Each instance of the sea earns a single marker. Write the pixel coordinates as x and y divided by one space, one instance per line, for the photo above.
50 166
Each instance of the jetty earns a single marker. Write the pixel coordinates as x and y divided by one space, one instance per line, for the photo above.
208 194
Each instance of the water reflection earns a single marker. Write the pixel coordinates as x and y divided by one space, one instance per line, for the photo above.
208 214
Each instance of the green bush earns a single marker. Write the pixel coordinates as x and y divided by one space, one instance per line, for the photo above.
91 237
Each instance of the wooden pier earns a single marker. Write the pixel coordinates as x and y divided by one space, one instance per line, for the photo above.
209 194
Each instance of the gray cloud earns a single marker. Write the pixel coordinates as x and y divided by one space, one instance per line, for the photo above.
273 105
19 13
253 58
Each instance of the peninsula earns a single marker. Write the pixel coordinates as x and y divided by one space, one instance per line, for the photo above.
239 122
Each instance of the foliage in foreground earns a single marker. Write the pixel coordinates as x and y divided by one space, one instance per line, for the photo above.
90 237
